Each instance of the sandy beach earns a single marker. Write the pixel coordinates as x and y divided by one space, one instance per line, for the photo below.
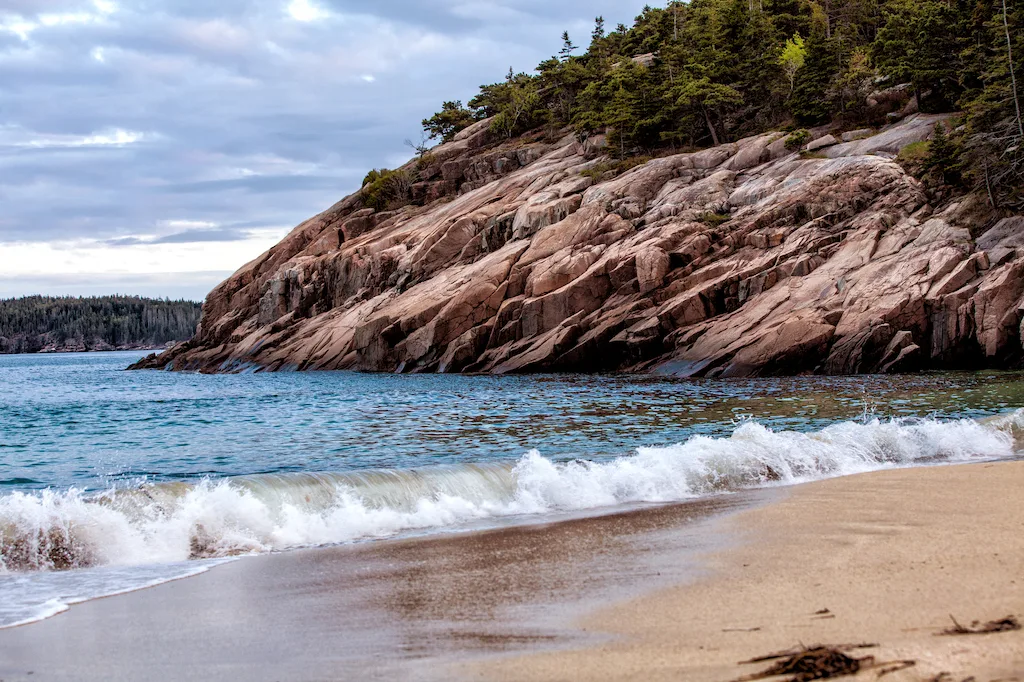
680 592
890 555
386 610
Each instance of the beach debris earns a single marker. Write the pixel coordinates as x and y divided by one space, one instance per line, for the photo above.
788 653
815 663
822 612
895 666
1008 624
947 677
804 664
757 629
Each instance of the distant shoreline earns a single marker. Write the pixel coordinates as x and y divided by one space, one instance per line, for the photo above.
69 351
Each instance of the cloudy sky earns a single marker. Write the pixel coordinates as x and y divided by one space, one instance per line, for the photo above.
154 146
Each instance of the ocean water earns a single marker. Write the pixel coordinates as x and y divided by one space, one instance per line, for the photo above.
112 480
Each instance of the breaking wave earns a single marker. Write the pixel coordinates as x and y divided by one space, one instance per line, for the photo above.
173 522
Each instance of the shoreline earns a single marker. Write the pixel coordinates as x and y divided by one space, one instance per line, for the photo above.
390 609
662 593
79 351
885 557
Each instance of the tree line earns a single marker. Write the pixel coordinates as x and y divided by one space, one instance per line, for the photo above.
703 72
32 323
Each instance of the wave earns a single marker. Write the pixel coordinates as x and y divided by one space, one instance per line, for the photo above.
173 522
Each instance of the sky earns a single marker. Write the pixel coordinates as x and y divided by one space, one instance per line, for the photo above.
153 147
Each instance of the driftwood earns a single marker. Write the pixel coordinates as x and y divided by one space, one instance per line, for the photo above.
1008 624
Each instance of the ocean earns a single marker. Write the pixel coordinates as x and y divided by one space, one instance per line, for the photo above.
111 481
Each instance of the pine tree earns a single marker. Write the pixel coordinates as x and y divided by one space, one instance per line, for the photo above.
567 47
598 35
445 124
942 155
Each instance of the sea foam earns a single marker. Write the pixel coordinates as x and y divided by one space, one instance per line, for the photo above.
169 523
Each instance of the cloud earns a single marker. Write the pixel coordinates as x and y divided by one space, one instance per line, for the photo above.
111 138
305 10
196 236
118 117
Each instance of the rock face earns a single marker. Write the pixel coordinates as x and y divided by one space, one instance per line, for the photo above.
740 260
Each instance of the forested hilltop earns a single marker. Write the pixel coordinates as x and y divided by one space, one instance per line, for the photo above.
725 189
701 73
42 323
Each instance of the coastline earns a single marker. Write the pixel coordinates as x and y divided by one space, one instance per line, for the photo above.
403 609
891 555
661 593
74 351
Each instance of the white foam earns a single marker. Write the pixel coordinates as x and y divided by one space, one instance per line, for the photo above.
30 597
169 524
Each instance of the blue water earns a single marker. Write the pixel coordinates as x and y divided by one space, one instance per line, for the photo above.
80 420
113 480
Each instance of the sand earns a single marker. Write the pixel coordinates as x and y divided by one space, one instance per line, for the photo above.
668 593
385 610
891 555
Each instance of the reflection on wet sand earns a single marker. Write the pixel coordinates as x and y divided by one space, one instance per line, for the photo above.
384 610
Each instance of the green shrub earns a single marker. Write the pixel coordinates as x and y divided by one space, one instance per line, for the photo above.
713 218
797 139
425 161
914 153
383 188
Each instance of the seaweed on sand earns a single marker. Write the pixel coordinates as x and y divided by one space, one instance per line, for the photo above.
811 663
1008 624
804 664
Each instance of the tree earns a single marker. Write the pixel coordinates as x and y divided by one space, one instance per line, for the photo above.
792 59
447 123
522 111
709 98
942 155
1013 75
993 149
567 47
822 63
920 43
851 88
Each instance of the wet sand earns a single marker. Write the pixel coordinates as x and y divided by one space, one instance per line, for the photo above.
666 593
389 610
890 555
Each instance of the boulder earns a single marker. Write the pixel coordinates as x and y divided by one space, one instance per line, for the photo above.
892 138
821 143
860 134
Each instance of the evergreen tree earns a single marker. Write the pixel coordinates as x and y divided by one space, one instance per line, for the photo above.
920 42
942 155
567 47
598 34
809 101
445 124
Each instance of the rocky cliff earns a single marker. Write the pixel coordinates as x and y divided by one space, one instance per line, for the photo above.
739 260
